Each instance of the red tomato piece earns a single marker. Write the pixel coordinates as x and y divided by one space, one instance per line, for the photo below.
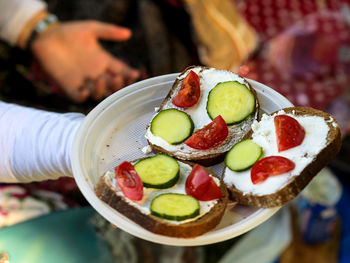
129 181
289 132
210 136
201 186
270 166
189 92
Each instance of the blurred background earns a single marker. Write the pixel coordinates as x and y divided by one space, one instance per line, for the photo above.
300 48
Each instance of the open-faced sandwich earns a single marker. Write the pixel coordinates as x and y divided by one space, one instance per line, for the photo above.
165 196
285 151
210 114
206 112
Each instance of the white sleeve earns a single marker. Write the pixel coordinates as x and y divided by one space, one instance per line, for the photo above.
14 14
35 145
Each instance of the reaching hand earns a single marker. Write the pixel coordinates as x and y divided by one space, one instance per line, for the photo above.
71 54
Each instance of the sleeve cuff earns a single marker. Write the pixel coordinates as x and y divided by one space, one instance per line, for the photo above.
17 13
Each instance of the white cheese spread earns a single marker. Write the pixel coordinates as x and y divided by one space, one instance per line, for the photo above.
150 193
316 131
147 149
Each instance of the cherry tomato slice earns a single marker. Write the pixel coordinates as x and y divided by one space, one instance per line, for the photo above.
201 186
289 132
210 136
270 166
189 92
129 181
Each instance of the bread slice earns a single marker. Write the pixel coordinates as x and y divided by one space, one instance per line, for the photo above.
236 131
269 195
111 195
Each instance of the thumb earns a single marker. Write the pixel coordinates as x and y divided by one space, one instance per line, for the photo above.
111 32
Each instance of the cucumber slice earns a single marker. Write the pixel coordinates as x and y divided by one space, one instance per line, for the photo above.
177 207
172 125
243 155
160 171
232 100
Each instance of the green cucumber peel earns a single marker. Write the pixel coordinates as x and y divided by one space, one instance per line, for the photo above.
232 100
160 171
172 125
243 155
174 206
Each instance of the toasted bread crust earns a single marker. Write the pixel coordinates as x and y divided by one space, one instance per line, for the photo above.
208 160
297 183
157 225
200 156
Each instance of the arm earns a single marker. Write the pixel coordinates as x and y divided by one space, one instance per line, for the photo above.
35 145
69 52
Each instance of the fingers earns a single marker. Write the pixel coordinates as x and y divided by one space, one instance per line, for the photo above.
101 87
110 32
117 68
100 80
106 84
75 87
78 94
117 83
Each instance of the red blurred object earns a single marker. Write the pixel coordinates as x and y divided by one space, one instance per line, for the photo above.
305 47
175 3
270 17
63 185
37 75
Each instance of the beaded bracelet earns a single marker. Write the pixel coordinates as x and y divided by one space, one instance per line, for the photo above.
40 27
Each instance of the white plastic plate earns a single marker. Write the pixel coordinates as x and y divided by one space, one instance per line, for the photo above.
114 132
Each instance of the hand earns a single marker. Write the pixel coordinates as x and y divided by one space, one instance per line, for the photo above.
71 54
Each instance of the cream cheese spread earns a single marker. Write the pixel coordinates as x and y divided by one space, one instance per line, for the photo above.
316 131
150 193
209 78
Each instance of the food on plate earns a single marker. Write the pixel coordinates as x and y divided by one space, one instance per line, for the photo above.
178 198
285 151
232 100
186 206
202 186
243 155
181 129
206 112
129 181
159 171
189 92
209 136
208 116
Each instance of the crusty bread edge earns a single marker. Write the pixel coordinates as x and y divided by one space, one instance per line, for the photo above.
298 183
156 225
210 159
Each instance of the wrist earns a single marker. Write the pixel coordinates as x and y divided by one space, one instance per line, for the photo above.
37 25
